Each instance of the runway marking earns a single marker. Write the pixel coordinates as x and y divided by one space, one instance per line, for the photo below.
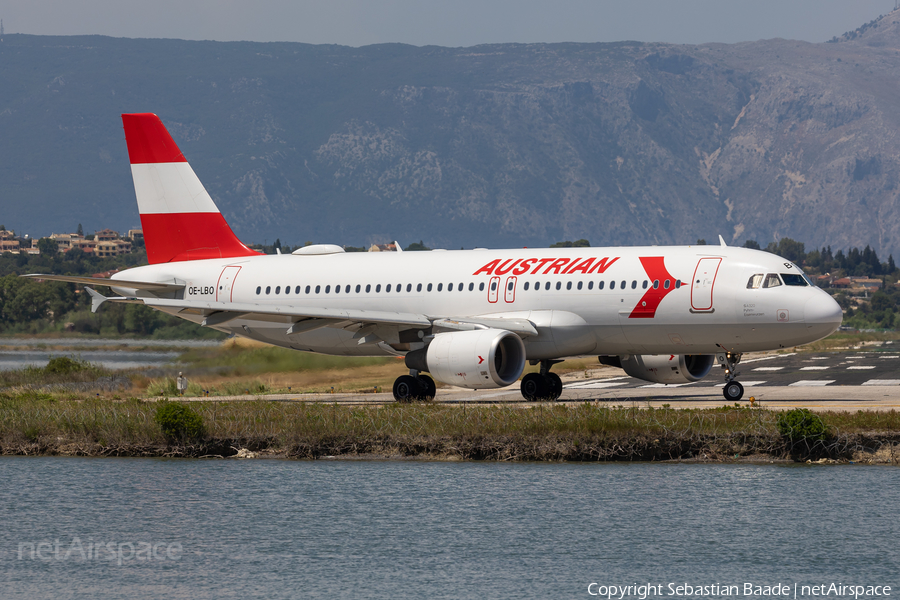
860 368
667 385
820 357
811 383
768 368
892 356
753 360
594 386
596 383
815 368
882 382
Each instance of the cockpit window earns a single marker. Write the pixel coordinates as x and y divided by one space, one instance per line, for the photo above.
772 280
755 281
794 279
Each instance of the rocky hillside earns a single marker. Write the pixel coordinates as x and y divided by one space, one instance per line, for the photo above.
497 145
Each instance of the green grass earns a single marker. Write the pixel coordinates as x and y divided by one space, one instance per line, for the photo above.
242 361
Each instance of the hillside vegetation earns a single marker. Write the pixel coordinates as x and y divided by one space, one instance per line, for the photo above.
497 145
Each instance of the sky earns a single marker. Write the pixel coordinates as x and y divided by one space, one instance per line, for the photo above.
445 22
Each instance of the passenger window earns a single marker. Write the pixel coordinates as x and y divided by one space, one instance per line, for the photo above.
600 285
368 287
460 287
441 287
622 285
634 284
327 289
388 288
358 287
656 284
481 287
268 289
645 284
547 286
590 285
408 287
772 280
677 283
278 289
569 285
794 279
525 287
666 284
287 289
471 286
580 283
449 287
377 288
509 286
297 290
258 290
558 285
493 286
337 289
537 286
419 287
399 287
429 287
612 285
755 281
347 289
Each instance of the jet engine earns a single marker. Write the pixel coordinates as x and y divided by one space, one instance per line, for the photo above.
663 368
479 359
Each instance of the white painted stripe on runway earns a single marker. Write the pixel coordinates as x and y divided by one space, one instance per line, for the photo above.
811 382
595 386
860 368
753 360
591 382
768 368
882 382
891 356
666 385
815 368
819 357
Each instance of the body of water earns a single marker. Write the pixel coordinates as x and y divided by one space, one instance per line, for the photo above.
150 528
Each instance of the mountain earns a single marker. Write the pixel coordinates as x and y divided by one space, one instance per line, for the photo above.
495 145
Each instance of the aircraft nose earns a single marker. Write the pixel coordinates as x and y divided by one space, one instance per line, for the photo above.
824 311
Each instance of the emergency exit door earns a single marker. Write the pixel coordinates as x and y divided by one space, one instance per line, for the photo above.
226 284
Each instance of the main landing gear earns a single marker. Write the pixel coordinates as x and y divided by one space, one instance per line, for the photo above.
733 391
544 385
414 387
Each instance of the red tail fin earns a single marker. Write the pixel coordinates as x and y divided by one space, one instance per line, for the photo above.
180 220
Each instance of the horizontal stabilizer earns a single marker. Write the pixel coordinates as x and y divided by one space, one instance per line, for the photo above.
121 283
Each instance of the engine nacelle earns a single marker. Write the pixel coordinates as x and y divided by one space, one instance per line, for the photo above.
479 359
664 368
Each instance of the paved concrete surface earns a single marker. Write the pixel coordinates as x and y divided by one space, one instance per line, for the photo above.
863 380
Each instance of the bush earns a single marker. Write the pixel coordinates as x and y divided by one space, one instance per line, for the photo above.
800 425
179 421
63 365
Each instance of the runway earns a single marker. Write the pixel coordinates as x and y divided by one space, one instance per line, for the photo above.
865 380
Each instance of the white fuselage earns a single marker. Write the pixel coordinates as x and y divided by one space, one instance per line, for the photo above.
617 303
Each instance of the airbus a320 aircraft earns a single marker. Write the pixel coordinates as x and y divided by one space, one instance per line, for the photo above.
469 318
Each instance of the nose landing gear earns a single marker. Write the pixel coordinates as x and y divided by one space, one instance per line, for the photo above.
733 390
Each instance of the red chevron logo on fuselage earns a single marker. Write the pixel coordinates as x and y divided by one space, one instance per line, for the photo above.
662 284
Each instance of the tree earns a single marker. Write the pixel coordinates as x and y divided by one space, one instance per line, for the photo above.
80 230
417 246
582 243
701 242
752 244
48 247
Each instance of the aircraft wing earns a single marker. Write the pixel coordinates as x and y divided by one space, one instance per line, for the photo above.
137 285
308 318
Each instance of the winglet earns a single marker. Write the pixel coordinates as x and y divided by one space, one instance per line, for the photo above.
397 246
96 299
722 241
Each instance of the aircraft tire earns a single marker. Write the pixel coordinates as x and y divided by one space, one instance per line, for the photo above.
426 384
535 387
407 389
733 391
554 383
